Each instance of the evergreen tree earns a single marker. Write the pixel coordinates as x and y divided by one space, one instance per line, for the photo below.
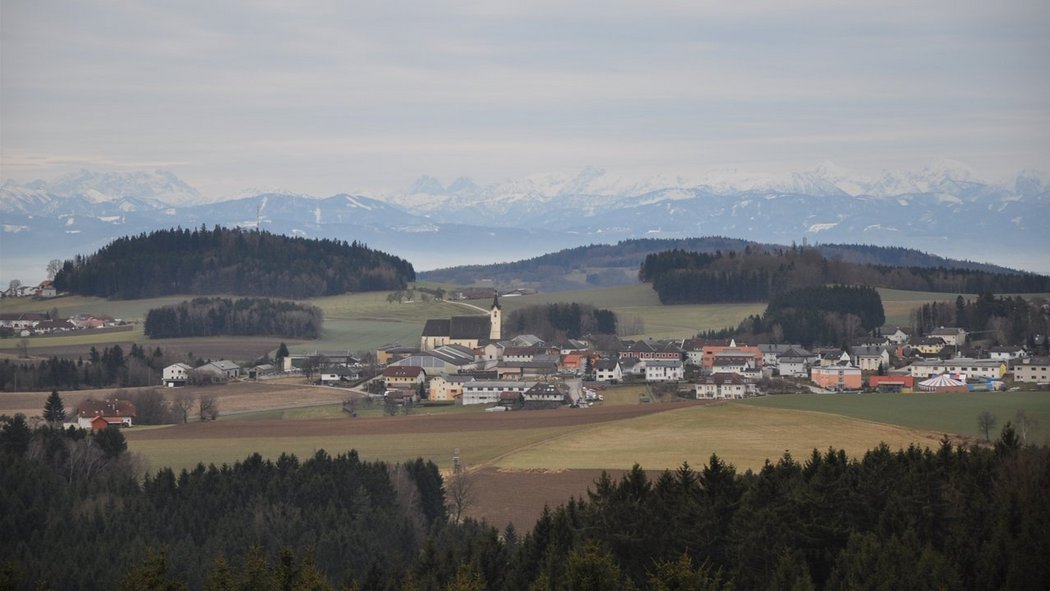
54 410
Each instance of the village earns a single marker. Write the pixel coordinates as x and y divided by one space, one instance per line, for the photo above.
466 360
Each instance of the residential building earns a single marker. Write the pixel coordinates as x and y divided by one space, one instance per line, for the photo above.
1007 354
929 345
447 388
1035 370
795 362
607 370
772 352
652 350
839 377
339 374
547 392
953 337
488 391
664 371
900 336
404 377
114 412
710 352
962 366
718 386
870 358
522 370
176 375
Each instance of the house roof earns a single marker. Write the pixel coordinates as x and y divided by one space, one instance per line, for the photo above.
606 364
663 363
402 371
106 408
546 389
947 331
225 365
523 351
721 378
180 365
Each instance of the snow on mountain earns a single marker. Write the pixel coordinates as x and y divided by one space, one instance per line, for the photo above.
925 208
159 185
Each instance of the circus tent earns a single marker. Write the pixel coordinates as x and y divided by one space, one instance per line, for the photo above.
943 383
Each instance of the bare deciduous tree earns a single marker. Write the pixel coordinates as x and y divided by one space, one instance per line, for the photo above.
1025 425
209 407
986 422
53 267
461 492
182 403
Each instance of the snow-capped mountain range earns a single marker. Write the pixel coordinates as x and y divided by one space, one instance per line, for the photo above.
943 208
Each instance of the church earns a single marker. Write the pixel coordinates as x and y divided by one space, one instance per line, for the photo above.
468 331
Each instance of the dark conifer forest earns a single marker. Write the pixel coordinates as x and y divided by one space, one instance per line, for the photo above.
755 275
206 317
75 514
230 261
552 322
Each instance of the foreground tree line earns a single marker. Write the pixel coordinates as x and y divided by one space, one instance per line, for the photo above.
953 518
206 317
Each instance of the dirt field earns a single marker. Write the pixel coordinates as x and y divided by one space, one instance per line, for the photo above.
407 425
238 397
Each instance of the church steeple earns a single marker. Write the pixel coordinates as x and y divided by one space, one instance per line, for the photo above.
495 319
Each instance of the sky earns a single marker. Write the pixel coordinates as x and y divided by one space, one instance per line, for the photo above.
327 97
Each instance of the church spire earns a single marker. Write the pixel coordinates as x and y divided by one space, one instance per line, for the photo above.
495 319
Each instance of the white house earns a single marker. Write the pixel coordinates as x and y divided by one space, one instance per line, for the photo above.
176 374
720 386
488 391
1034 370
870 357
795 362
971 368
607 370
664 371
953 337
1007 353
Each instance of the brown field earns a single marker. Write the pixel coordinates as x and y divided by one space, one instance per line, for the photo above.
522 461
234 398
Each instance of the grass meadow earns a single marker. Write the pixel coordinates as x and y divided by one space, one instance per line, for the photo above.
942 413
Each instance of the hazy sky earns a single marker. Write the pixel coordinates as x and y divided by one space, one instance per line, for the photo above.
322 97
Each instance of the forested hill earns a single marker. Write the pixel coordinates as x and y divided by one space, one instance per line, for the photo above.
603 265
230 261
755 275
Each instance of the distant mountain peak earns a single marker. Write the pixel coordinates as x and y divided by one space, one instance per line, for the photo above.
426 185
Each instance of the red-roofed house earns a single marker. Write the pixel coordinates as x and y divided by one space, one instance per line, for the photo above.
404 377
113 412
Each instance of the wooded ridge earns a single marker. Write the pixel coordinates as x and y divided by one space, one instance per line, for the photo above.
230 261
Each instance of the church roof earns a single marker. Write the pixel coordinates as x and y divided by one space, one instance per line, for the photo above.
470 327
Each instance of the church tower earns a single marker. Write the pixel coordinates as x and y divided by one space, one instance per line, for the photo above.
495 319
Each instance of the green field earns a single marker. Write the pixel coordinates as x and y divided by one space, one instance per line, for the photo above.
365 321
745 436
745 432
942 413
477 448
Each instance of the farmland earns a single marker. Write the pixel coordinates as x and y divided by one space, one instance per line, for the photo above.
364 321
546 456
